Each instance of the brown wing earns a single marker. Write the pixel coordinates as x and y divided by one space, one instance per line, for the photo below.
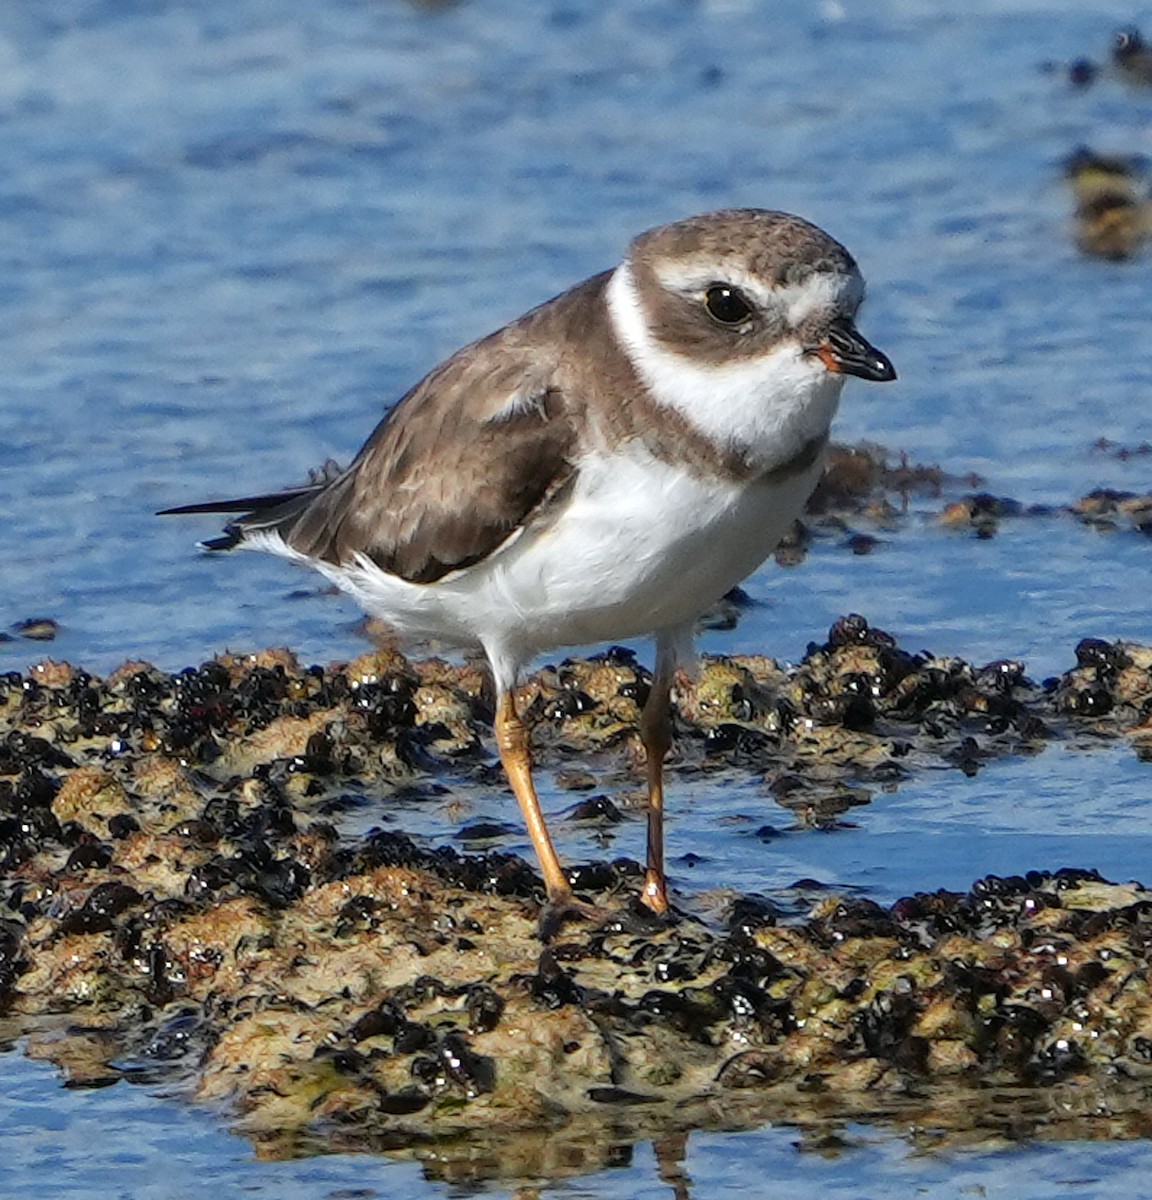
465 459
442 483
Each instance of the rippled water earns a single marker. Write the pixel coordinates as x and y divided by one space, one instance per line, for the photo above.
120 1142
232 233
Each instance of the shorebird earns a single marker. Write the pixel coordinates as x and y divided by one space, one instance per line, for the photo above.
606 466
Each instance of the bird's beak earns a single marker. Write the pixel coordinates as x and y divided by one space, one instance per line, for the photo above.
846 352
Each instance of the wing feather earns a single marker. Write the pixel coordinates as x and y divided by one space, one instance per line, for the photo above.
461 463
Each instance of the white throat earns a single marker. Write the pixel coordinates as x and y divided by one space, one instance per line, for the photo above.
772 405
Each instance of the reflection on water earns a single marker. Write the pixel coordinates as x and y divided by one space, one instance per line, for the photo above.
121 1141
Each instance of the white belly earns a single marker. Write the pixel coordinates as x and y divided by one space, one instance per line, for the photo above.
643 546
639 546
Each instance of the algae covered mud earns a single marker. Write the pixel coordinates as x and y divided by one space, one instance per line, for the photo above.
186 902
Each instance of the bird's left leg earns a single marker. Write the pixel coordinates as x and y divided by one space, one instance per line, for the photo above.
672 647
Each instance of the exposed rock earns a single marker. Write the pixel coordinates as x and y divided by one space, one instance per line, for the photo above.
174 885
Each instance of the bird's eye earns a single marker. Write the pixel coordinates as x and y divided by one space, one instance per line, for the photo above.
727 304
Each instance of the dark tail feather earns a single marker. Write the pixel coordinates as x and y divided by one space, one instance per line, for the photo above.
231 538
246 504
260 512
278 511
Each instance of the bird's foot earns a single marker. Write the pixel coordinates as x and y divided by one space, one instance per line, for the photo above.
564 909
654 895
636 915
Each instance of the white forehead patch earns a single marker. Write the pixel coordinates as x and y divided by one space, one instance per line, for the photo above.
823 293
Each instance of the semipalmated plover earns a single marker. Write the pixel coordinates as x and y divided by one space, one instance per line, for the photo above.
607 465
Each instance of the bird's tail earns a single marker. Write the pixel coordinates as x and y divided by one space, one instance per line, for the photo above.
275 510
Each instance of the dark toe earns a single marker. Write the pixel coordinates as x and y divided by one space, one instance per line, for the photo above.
564 910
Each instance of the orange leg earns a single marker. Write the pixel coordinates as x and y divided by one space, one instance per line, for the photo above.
656 734
515 754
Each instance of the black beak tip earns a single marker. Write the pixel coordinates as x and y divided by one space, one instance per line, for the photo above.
848 352
869 364
882 370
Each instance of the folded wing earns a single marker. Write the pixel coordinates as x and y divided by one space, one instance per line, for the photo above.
464 461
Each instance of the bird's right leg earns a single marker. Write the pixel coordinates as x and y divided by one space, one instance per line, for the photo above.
516 756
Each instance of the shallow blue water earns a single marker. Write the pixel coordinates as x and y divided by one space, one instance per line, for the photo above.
232 233
119 1143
